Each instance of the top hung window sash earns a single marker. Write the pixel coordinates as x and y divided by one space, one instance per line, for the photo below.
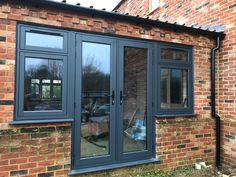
43 39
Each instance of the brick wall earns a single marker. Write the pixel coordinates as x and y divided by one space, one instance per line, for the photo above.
140 7
186 141
50 145
204 13
229 142
35 151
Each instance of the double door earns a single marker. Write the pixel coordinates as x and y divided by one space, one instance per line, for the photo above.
113 116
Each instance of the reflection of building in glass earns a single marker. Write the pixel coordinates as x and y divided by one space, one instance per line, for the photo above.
43 84
135 99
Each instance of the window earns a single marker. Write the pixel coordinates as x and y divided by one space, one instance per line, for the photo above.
153 5
168 53
43 39
173 88
43 81
42 91
175 83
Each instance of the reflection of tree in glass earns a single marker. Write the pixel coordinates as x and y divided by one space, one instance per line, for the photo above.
94 79
45 70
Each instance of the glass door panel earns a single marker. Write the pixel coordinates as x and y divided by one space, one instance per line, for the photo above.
113 121
95 100
134 99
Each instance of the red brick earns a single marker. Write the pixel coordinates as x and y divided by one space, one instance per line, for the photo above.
8 168
4 174
37 170
29 176
27 165
37 159
9 156
46 163
3 162
62 172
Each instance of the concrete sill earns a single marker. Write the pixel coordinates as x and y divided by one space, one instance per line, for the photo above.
113 166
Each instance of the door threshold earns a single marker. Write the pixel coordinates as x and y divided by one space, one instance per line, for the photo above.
113 166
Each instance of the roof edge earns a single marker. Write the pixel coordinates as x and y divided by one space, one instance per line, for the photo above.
122 17
118 5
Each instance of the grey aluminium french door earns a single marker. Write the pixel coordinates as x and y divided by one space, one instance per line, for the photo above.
135 123
113 115
94 127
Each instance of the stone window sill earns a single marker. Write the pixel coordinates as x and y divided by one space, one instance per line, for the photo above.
113 166
176 115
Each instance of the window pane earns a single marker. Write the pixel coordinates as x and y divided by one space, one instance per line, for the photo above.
46 81
34 88
164 90
56 81
174 88
95 118
57 91
46 91
39 74
44 40
174 54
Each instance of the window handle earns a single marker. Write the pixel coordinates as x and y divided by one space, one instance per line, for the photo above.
121 97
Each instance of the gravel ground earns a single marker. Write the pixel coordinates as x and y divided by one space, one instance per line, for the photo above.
192 172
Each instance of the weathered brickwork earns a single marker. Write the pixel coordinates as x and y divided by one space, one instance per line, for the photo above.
204 13
140 7
183 142
44 149
229 142
35 150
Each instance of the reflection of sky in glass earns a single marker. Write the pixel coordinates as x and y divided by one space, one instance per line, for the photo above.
34 62
44 40
176 73
97 55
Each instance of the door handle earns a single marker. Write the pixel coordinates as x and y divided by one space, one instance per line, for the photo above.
121 97
112 95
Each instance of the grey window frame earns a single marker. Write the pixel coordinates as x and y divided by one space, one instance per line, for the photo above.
42 30
174 64
23 51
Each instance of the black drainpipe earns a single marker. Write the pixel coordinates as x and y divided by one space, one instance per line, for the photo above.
213 104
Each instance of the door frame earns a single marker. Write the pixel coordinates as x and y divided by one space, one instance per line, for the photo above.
148 153
76 141
116 157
